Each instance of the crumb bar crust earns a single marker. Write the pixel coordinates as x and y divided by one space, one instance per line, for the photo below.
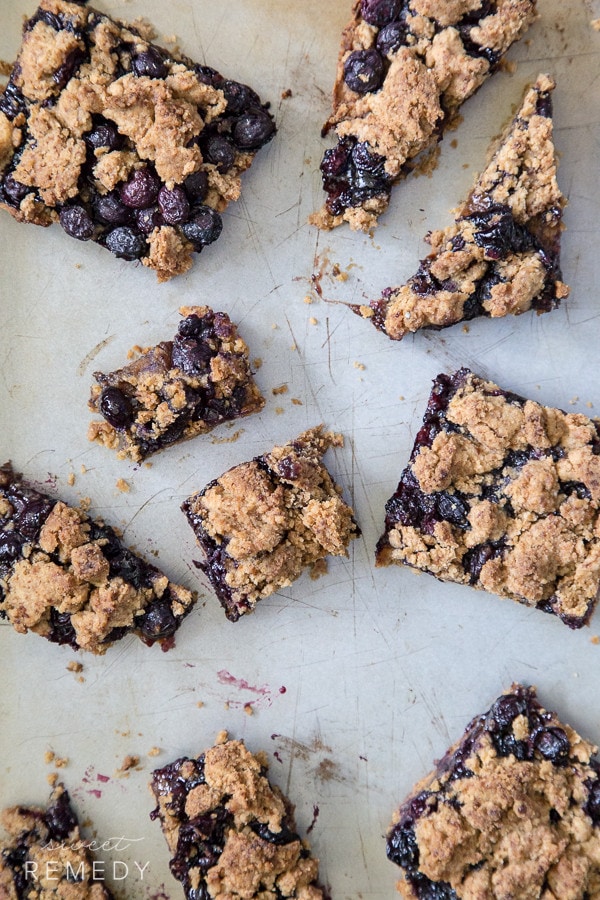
264 521
503 494
177 389
230 832
121 141
44 856
405 68
502 254
71 580
512 810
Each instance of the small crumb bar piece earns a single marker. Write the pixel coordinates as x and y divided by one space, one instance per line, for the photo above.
502 255
121 141
511 811
264 521
503 494
230 832
71 580
45 855
405 68
176 390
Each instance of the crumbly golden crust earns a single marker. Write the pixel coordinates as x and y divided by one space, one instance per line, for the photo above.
513 493
45 857
226 796
78 68
510 811
472 270
177 389
72 581
268 519
426 80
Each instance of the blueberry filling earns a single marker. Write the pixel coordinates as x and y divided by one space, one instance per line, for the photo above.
352 174
149 63
364 71
115 407
125 243
77 222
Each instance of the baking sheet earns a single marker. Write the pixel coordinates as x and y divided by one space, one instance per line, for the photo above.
355 682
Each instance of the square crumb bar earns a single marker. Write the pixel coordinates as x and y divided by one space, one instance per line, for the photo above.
45 856
511 811
229 831
71 580
121 141
502 254
405 68
176 390
264 521
503 494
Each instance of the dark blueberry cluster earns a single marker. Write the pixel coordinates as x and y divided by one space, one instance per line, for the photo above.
545 740
353 174
123 219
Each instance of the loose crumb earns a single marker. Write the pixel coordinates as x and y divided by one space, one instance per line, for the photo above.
71 479
313 321
221 737
574 400
257 363
297 402
200 704
319 568
52 779
293 347
359 365
49 757
248 709
228 440
61 761
595 639
83 469
308 299
278 410
589 404
285 95
154 751
130 762
282 389
85 503
122 486
465 329
401 397
74 666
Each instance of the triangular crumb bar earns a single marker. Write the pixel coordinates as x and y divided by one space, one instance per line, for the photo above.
502 254
404 70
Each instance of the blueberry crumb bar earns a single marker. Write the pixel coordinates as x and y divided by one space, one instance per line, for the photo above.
502 254
71 580
121 141
405 67
177 389
264 521
231 834
503 494
511 811
44 856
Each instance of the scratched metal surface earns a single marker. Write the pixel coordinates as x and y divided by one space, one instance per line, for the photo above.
381 668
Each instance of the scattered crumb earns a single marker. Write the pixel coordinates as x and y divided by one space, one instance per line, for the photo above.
130 762
170 38
83 469
278 410
85 503
465 329
285 95
293 347
510 66
359 365
154 751
78 266
297 402
313 321
74 666
308 299
148 465
134 351
589 404
122 486
595 639
257 363
318 569
248 709
282 389
49 757
401 397
52 779
71 478
226 704
200 704
366 312
465 165
221 737
274 326
59 761
454 143
227 440
573 400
